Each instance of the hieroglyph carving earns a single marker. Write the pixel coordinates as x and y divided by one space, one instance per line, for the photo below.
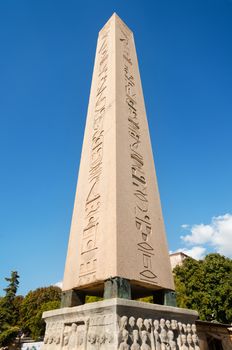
88 258
142 216
148 334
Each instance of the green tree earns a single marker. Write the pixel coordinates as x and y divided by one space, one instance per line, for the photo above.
9 310
12 287
205 286
8 335
32 307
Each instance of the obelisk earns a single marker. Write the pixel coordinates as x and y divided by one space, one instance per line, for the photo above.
117 228
117 246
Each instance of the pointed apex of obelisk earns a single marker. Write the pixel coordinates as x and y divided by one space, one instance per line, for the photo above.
114 19
116 16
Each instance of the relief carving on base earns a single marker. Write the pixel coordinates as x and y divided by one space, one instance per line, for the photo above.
158 334
100 332
95 333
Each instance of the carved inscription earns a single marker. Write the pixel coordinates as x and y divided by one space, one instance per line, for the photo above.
88 258
139 183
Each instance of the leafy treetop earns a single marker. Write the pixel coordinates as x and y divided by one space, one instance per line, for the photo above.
205 286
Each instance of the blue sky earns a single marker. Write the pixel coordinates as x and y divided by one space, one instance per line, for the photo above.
47 53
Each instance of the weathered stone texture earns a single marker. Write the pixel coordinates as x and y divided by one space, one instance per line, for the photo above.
117 226
120 324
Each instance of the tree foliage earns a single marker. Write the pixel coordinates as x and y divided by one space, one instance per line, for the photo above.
205 286
19 314
32 307
12 287
8 335
9 304
9 310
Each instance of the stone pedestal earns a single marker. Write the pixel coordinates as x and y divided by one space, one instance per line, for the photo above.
120 324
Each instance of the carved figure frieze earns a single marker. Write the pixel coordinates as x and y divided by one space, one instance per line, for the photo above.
135 336
144 339
158 334
87 333
124 344
53 334
100 332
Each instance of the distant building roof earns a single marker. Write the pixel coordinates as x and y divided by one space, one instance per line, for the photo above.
179 253
177 258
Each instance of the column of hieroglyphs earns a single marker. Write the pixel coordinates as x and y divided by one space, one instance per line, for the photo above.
138 179
148 262
87 225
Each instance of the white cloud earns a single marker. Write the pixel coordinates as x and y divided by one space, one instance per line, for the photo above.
200 234
59 284
217 234
184 226
195 252
222 238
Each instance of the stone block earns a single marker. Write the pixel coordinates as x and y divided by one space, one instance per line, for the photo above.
120 324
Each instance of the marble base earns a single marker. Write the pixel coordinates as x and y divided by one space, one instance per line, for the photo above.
120 324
